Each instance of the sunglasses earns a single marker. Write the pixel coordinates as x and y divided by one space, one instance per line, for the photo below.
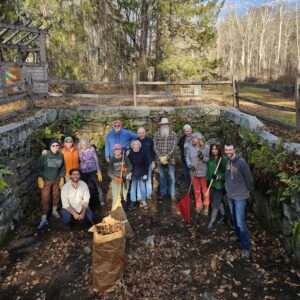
69 142
55 145
117 125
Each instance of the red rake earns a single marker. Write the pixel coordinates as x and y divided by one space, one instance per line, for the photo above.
183 206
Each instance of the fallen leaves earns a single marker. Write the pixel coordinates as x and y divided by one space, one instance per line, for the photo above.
181 264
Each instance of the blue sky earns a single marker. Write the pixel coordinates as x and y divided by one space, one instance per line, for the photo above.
241 6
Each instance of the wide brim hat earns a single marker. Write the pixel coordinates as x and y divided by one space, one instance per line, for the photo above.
164 121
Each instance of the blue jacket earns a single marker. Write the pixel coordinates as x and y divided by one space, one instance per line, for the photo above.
147 148
139 163
124 137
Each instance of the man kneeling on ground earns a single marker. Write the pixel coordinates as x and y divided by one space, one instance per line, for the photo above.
75 198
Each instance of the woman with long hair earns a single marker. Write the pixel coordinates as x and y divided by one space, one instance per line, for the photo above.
90 169
217 186
197 157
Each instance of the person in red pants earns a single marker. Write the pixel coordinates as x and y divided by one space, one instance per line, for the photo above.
197 156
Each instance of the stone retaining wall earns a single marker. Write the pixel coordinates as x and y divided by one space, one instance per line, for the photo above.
18 154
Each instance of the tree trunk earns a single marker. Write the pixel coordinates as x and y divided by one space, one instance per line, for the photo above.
158 48
279 39
297 39
146 12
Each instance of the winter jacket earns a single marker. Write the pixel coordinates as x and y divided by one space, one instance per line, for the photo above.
89 160
139 163
192 159
211 167
124 137
51 166
147 148
71 158
238 178
115 164
183 144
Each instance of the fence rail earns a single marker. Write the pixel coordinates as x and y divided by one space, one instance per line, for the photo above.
272 87
264 104
267 86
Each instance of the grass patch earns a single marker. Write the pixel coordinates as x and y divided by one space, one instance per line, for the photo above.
283 116
267 96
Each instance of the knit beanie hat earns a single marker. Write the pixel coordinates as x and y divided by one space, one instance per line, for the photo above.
53 142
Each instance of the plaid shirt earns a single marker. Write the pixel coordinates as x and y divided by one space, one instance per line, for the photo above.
165 146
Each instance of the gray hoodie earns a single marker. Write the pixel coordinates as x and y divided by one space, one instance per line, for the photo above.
192 159
238 178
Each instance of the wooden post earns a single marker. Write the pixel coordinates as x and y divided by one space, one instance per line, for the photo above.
29 90
233 92
134 89
297 102
43 59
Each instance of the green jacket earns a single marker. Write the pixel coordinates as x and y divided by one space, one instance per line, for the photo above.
51 166
211 166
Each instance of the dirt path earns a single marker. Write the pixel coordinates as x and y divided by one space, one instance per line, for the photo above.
183 264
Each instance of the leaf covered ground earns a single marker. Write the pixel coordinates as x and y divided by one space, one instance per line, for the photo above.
183 263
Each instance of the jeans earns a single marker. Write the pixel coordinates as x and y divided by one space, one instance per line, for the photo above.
167 172
67 217
147 184
186 173
137 183
200 190
237 208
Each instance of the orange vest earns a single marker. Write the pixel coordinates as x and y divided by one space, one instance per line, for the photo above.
71 159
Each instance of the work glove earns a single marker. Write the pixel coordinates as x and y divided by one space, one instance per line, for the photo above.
127 152
123 169
145 177
128 176
163 160
153 165
61 182
200 155
215 177
191 168
99 175
118 180
40 182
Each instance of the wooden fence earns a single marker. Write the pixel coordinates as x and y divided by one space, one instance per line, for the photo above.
272 87
187 89
190 89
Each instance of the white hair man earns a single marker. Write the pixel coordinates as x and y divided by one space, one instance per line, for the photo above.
165 141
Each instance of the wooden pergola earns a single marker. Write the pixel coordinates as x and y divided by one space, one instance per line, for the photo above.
24 39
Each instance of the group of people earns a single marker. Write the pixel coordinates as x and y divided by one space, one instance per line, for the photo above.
131 160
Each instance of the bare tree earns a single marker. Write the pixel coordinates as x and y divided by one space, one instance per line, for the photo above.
297 39
279 38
